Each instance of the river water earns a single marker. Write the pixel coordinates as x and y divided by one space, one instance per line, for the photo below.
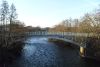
38 52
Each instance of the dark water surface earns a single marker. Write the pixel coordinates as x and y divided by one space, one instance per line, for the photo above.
41 53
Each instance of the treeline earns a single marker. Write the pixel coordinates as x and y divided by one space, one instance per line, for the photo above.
89 23
8 19
36 29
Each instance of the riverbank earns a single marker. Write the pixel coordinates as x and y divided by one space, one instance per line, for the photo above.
8 54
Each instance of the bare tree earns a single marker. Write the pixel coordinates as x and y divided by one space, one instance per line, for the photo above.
4 18
13 16
85 24
4 13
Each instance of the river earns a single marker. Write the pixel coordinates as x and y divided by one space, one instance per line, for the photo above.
38 52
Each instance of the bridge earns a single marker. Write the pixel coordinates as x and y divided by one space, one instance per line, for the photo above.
79 39
67 36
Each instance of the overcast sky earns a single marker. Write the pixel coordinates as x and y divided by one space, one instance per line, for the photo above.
46 13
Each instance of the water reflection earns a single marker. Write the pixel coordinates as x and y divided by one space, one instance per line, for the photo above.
36 40
28 50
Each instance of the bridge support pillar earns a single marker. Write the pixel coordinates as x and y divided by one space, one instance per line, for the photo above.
82 51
